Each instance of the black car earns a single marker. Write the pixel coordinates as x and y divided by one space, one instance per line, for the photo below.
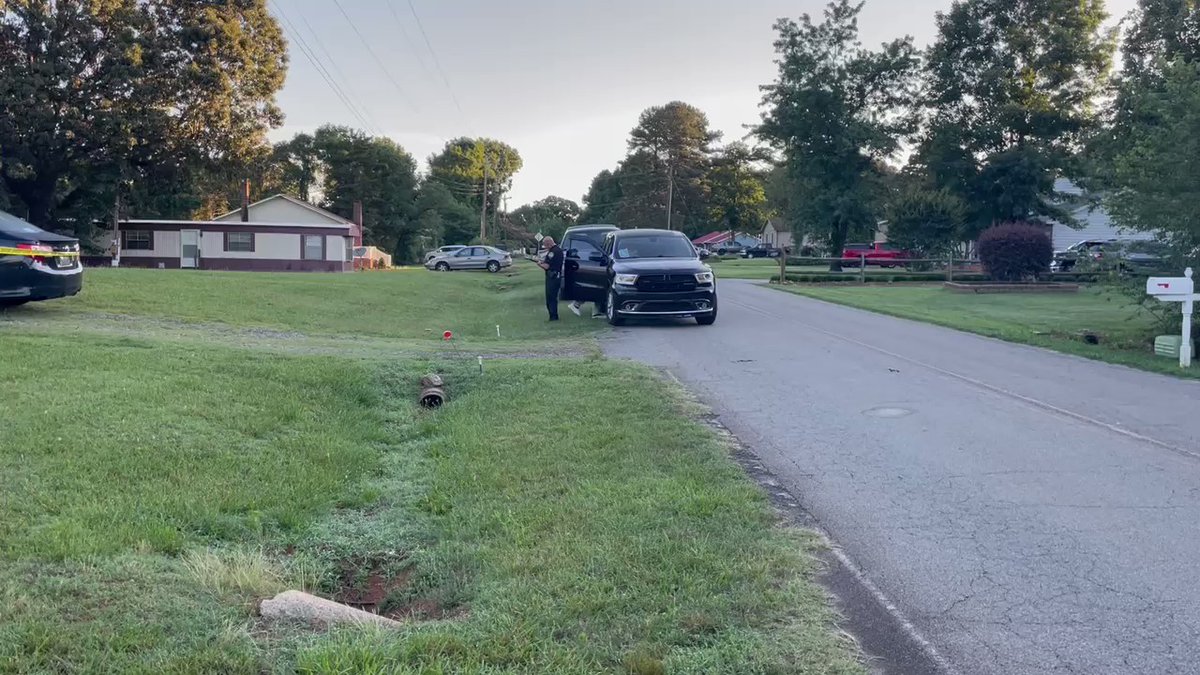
36 264
646 273
763 251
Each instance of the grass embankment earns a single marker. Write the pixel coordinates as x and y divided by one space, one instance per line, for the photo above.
408 304
1053 321
560 516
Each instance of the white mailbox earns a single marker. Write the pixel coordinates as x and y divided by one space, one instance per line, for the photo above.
1181 290
1160 286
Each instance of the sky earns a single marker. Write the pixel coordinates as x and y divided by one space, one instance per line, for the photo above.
563 81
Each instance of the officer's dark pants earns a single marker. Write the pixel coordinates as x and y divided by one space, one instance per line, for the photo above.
553 285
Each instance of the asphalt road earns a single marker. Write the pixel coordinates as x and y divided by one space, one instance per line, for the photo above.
1026 511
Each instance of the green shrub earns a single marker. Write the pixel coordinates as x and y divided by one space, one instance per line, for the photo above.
1015 252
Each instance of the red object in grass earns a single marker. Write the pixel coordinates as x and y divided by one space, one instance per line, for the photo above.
447 336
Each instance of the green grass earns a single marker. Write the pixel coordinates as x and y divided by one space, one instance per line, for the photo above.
406 304
758 269
123 444
560 516
1053 321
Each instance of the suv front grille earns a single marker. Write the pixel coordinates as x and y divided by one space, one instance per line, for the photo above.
666 283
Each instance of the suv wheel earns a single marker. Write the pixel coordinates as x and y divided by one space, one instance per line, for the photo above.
442 267
614 319
493 266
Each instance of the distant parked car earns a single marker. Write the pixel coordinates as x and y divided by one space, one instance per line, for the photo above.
763 251
1129 257
471 258
36 264
442 251
879 254
728 248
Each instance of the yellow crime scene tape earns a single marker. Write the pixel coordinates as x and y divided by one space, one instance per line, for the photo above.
38 253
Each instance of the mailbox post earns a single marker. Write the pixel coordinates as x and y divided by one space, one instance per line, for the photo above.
1181 290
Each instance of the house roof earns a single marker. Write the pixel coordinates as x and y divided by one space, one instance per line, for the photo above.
298 202
712 238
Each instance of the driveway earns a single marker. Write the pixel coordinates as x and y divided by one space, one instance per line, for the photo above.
1026 511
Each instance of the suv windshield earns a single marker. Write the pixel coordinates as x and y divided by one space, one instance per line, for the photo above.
654 246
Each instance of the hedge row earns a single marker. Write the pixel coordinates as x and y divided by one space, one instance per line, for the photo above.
903 277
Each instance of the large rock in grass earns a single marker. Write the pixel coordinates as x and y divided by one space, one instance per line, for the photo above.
297 606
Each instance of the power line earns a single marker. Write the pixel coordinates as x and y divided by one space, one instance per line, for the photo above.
436 61
371 50
338 71
321 70
408 39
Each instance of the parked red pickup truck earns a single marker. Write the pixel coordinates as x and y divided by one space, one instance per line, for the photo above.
874 254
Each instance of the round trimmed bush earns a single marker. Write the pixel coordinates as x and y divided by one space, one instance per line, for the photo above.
1015 252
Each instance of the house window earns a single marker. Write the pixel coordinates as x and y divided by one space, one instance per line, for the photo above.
350 250
137 240
239 242
313 247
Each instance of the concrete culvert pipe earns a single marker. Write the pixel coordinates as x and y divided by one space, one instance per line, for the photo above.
433 392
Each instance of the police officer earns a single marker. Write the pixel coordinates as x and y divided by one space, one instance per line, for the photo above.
553 264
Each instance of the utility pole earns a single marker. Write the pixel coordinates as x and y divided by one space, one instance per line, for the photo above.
483 209
496 211
670 192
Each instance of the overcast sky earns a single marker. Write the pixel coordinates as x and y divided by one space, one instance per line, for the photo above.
563 81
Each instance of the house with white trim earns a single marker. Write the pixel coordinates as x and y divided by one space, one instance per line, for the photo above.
277 234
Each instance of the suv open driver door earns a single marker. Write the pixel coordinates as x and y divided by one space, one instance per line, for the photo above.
585 274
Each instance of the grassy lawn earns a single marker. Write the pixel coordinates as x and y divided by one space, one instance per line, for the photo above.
405 304
560 516
759 268
1051 321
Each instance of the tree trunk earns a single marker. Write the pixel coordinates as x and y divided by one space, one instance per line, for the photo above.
837 244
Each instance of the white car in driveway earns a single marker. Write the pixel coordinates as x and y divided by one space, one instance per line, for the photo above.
471 258
443 251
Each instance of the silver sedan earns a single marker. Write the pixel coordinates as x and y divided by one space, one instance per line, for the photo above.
471 258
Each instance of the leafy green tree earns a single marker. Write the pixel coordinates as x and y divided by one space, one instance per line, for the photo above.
550 216
644 192
376 172
1160 32
833 113
1153 171
161 93
930 222
439 218
1144 157
463 163
298 166
737 195
677 136
603 199
1011 89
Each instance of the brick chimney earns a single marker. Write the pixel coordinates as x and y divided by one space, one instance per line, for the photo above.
246 201
358 224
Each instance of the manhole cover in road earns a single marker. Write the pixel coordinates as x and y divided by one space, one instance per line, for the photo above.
888 412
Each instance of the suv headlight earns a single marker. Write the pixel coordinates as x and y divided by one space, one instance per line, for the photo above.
705 278
625 279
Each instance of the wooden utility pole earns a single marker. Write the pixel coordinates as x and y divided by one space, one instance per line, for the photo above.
483 209
670 193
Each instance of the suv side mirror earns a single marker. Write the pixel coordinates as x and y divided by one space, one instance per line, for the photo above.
597 257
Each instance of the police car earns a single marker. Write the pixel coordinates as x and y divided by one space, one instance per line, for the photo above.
36 264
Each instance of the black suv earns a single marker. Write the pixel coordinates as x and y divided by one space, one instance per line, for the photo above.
644 273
